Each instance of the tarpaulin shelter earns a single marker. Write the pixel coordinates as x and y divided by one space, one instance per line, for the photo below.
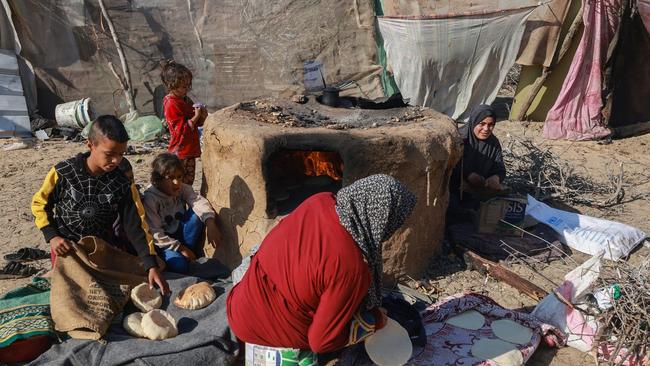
599 87
236 50
448 55
452 55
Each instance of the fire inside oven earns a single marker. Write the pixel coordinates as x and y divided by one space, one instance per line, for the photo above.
295 175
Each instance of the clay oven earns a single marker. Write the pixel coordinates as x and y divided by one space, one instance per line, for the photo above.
262 158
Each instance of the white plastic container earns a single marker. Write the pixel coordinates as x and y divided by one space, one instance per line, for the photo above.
76 114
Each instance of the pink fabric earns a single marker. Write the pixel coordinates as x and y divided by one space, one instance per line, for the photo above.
576 114
575 320
450 345
606 351
644 12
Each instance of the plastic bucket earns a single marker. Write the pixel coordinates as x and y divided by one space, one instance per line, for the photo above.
75 114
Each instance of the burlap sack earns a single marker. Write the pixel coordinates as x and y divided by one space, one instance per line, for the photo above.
90 286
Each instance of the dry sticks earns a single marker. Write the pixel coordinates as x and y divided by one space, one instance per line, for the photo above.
626 325
542 174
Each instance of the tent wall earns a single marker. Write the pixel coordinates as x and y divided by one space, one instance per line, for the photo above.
631 76
542 33
551 87
443 7
453 64
236 50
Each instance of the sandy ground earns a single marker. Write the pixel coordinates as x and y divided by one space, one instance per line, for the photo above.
22 171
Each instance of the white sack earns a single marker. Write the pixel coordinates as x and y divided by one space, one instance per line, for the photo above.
588 234
579 328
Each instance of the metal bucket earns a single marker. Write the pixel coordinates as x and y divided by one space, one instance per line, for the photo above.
76 114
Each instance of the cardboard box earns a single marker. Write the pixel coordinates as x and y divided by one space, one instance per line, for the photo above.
511 209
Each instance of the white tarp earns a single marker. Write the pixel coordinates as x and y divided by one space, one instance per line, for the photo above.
453 64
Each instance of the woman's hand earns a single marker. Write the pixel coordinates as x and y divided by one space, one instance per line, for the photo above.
493 183
213 233
475 180
156 279
382 318
187 253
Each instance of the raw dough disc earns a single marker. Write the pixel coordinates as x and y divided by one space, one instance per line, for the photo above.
133 325
470 319
500 352
512 332
390 345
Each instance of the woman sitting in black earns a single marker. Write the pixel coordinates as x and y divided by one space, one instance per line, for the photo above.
481 170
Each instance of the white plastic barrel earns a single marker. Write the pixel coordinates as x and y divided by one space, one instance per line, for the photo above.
76 114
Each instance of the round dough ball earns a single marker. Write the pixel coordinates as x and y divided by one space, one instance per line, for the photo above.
144 298
196 296
511 331
390 345
470 319
133 325
500 352
159 324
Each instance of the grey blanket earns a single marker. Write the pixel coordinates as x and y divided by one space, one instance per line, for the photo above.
203 339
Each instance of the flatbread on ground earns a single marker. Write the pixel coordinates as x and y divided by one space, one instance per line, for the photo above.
133 325
470 319
159 324
511 331
500 352
390 345
196 296
145 298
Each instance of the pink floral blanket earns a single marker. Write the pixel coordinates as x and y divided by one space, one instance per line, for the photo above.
450 345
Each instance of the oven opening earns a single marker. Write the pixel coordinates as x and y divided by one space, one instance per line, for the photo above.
295 175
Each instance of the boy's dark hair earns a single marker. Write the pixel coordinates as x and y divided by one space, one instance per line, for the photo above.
109 127
173 74
164 165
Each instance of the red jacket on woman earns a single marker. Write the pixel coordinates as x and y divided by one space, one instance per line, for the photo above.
304 284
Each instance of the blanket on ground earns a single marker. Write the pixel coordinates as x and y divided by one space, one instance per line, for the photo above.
25 312
451 345
203 339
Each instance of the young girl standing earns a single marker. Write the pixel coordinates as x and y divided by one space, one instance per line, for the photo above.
183 116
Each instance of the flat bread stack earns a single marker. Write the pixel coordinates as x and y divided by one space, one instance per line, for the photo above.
152 322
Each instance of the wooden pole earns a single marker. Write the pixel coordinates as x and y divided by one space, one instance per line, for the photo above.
126 81
503 274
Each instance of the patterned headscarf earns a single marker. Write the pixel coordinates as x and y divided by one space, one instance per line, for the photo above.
372 209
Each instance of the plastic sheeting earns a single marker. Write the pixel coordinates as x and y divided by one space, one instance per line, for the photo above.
576 114
453 64
236 49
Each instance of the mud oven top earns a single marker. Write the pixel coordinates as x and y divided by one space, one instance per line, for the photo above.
263 158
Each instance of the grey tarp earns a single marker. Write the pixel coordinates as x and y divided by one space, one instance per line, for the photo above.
204 339
236 49
452 64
